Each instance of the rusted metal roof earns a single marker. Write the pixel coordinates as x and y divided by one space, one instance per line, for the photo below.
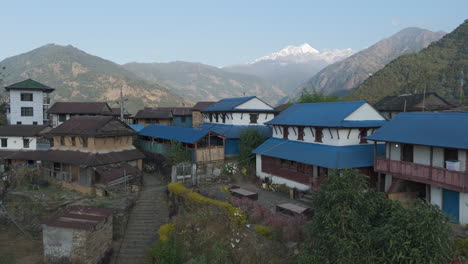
21 130
79 217
96 126
201 105
82 108
163 112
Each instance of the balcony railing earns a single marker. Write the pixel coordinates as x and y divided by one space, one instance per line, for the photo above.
441 177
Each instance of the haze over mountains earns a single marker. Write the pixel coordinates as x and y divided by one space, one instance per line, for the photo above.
79 76
345 75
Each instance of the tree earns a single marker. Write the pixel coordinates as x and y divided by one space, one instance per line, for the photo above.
316 97
354 224
250 138
178 153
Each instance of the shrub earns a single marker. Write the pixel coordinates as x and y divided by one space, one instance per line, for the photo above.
168 252
264 231
165 231
249 139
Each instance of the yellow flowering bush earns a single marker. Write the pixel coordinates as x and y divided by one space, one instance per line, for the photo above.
264 231
164 232
236 215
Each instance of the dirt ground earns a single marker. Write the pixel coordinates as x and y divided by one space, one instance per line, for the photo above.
15 247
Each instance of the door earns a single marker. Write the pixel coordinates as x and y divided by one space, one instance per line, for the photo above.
450 204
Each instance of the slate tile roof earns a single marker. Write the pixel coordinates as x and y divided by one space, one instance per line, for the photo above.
21 130
96 126
81 108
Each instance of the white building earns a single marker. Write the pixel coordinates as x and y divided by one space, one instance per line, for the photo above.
229 117
29 101
426 155
309 139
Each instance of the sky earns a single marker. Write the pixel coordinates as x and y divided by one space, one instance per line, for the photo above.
216 32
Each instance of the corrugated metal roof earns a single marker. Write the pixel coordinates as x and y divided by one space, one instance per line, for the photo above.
82 108
323 114
79 217
30 84
431 129
410 102
231 131
137 127
227 104
336 157
201 105
182 134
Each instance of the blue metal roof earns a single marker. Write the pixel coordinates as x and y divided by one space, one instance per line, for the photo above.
227 104
231 131
137 127
335 157
323 114
182 134
430 129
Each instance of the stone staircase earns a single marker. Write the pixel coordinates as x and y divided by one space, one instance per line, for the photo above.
307 199
148 214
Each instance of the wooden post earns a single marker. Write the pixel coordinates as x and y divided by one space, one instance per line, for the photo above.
430 162
389 156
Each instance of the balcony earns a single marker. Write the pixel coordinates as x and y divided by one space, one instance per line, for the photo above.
441 177
46 100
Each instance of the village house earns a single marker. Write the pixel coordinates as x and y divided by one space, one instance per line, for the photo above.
197 117
172 116
78 234
203 146
390 106
83 146
18 141
229 117
28 103
63 111
426 154
309 139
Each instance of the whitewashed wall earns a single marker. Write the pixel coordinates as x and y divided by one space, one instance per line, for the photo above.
16 143
327 139
240 119
254 103
36 104
436 196
463 208
55 119
276 179
422 155
365 112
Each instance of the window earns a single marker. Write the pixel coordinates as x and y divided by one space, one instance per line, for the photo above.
217 117
210 116
300 133
362 134
62 118
27 111
285 132
318 134
223 118
18 123
4 142
62 141
450 154
35 123
407 152
73 141
85 142
26 97
253 118
25 143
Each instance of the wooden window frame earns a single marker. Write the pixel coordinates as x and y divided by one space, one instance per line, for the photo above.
24 97
362 135
4 140
254 118
26 143
25 111
319 134
285 132
300 133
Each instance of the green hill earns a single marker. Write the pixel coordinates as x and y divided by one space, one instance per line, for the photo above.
437 68
78 76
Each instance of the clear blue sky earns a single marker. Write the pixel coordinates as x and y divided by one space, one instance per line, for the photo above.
213 32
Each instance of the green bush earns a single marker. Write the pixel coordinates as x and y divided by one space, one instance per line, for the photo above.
249 140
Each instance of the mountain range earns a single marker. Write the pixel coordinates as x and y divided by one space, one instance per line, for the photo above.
292 65
345 75
78 76
441 67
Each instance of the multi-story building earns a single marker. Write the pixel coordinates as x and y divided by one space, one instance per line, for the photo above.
63 111
229 117
426 154
28 103
309 139
172 116
85 147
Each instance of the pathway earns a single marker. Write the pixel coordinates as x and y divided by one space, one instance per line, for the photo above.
148 214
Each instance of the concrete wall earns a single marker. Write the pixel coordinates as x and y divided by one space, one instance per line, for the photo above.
16 143
36 104
57 244
276 179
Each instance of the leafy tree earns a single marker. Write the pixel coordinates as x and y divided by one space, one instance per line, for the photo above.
249 140
354 224
316 97
178 153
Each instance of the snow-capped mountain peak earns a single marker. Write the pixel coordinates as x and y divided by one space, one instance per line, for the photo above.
305 54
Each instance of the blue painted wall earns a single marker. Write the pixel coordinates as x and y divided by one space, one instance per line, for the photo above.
232 146
179 122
